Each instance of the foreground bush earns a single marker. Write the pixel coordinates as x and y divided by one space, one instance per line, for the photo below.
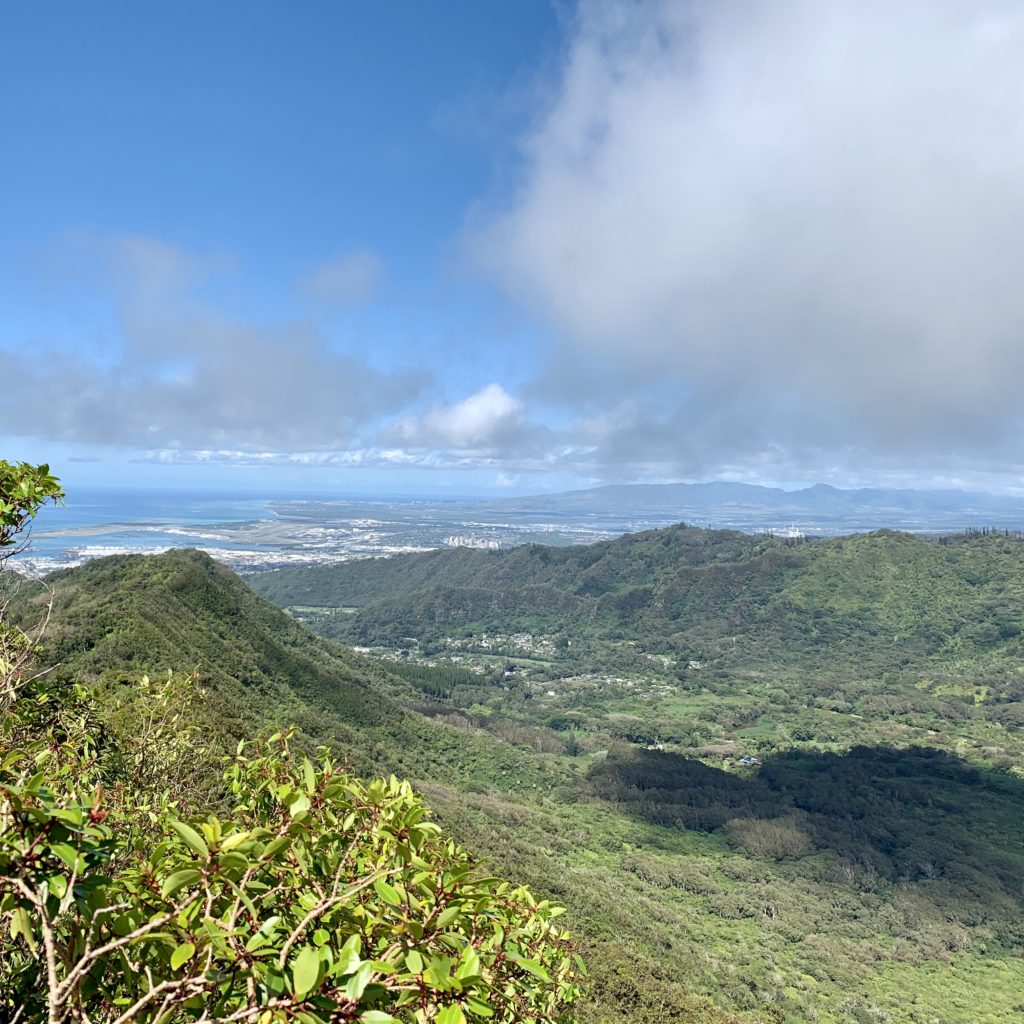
318 899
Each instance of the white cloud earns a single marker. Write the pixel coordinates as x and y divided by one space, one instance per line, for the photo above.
488 429
476 420
809 215
489 418
349 458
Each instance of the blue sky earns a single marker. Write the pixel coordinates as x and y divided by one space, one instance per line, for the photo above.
479 247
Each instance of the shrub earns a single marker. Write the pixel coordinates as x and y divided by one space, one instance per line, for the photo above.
318 898
769 838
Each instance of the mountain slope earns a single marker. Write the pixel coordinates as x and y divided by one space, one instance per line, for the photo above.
116 618
821 887
696 592
845 872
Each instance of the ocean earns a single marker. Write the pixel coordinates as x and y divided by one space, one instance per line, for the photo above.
254 532
96 522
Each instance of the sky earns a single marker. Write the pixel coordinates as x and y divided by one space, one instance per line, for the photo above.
482 247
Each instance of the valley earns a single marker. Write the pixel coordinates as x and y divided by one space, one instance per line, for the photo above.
713 644
774 738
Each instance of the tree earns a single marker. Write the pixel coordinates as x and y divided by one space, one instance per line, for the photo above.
24 489
319 898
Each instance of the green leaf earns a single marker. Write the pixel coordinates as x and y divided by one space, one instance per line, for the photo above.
451 1015
264 935
349 957
535 968
470 965
67 854
182 955
275 846
298 805
308 775
447 916
356 985
413 962
187 876
236 861
377 1017
191 838
72 815
21 924
438 972
388 893
479 1007
305 971
233 840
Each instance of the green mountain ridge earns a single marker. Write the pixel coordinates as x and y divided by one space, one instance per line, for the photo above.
693 590
116 618
713 636
850 871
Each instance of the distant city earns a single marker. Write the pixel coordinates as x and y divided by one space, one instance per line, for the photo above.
255 534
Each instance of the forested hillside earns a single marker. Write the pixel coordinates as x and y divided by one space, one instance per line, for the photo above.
688 590
822 881
699 638
804 834
115 619
152 870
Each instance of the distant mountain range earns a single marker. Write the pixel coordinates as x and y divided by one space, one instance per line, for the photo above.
821 508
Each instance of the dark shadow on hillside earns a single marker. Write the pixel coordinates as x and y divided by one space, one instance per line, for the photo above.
910 815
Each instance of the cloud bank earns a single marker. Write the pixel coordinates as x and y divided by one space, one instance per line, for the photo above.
489 420
183 382
805 218
774 241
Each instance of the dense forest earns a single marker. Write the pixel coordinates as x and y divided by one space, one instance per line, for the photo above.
690 590
812 750
115 619
696 638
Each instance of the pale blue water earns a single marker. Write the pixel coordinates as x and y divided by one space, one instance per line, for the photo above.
251 531
89 507
245 531
149 517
